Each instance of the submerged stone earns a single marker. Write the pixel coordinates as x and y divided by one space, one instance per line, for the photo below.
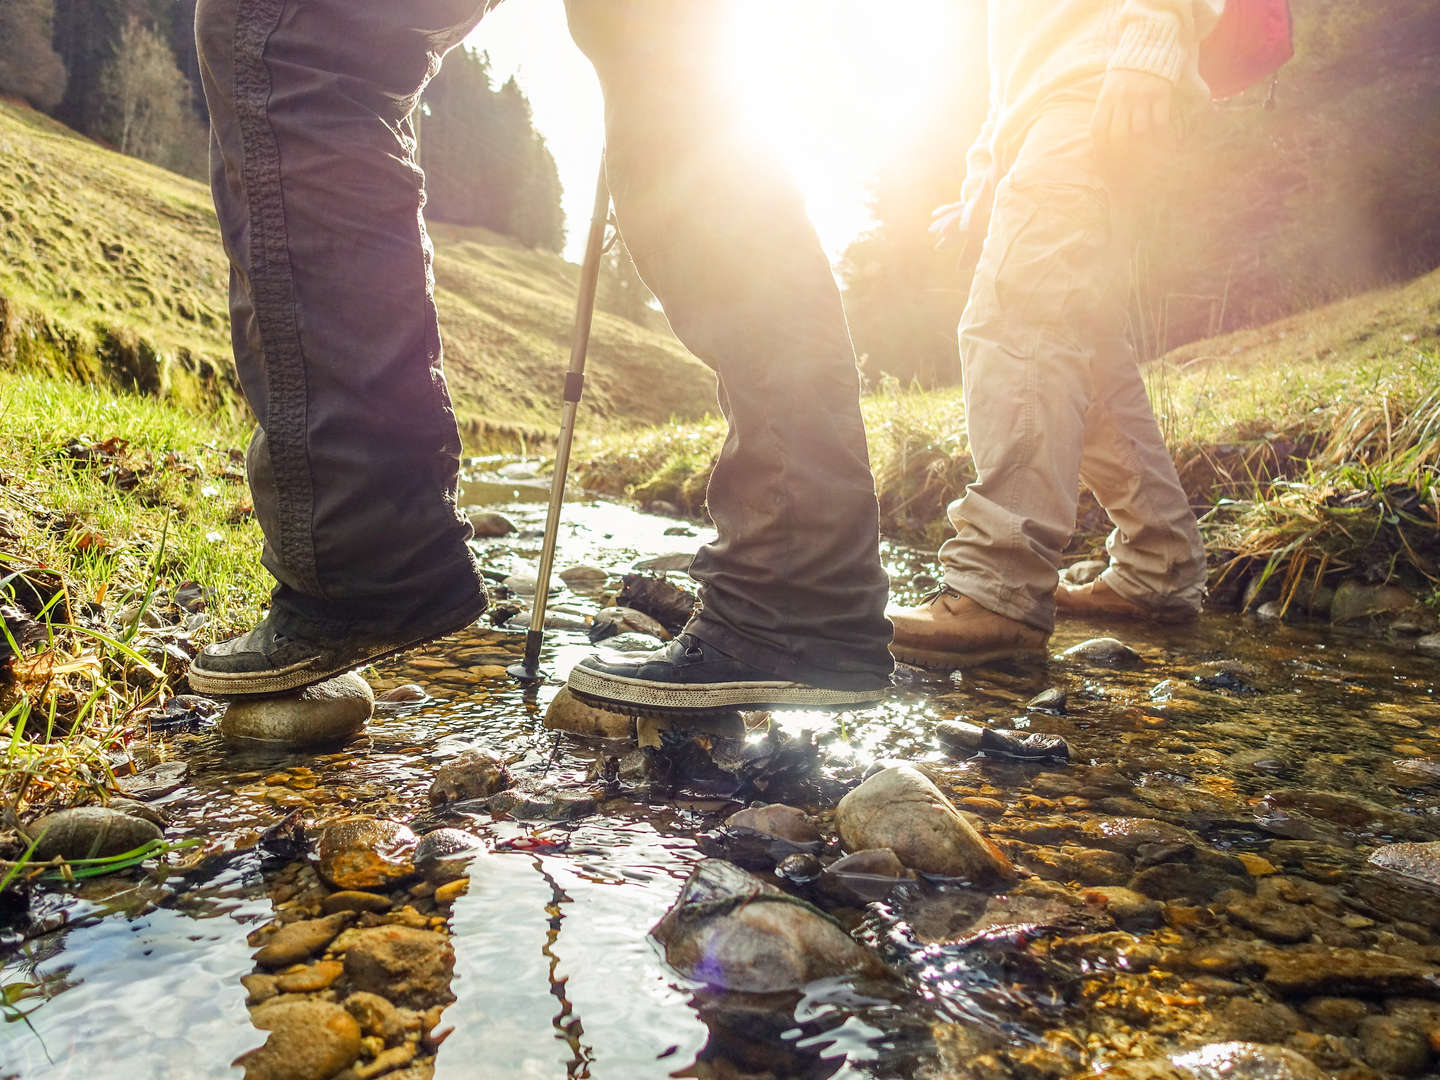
1419 862
1311 970
1246 1061
583 578
472 774
318 715
298 941
446 854
775 820
861 877
900 809
613 621
309 1040
365 852
409 967
90 832
1105 651
732 931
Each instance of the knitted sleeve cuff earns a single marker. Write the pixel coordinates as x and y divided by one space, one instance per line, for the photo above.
1155 42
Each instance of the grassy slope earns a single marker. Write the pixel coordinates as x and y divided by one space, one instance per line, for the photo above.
1280 421
113 270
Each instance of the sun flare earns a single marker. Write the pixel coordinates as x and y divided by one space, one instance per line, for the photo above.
840 88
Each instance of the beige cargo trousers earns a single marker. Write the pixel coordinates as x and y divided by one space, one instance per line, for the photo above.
1053 393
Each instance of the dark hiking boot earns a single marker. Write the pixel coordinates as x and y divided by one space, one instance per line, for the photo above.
946 631
689 676
267 660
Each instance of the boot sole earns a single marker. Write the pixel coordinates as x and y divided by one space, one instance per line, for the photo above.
297 676
950 660
638 697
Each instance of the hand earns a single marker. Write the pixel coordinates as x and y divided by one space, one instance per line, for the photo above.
1133 115
951 222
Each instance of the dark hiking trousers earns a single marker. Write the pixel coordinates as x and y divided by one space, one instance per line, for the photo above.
336 337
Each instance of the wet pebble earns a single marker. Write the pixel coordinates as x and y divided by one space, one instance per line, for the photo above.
365 853
732 931
378 1018
354 900
309 1040
963 738
1130 910
1420 862
1312 970
445 854
489 525
90 832
1105 651
318 715
583 578
1052 700
1355 600
1392 1046
309 980
1272 920
155 782
623 620
775 820
404 694
472 774
1243 1061
861 877
297 941
409 967
900 809
675 560
1428 645
558 804
566 712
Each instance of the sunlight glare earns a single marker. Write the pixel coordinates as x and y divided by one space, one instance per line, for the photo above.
838 88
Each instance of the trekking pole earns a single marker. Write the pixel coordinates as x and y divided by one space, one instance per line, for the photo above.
528 670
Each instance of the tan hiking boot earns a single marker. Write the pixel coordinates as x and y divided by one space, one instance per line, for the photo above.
947 631
1096 600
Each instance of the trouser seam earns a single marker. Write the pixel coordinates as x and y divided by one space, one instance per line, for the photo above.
272 290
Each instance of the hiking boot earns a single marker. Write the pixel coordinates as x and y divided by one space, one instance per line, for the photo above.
947 631
1096 600
690 676
267 660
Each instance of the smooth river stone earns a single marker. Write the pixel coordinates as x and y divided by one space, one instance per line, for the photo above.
568 713
299 941
309 1040
1106 651
1420 862
90 832
318 715
488 524
365 853
472 774
900 809
408 967
733 931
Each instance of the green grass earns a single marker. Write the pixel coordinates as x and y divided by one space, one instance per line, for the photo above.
113 274
1317 439
125 498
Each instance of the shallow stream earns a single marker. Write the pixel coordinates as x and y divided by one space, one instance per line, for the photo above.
1291 753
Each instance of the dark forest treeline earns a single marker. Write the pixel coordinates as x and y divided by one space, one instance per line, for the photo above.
125 72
